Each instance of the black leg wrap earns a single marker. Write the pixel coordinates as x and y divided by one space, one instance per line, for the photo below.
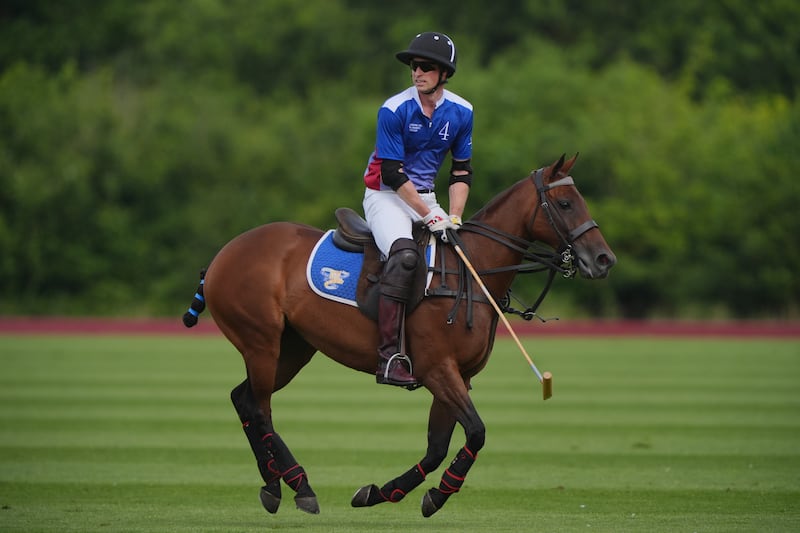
275 461
265 460
396 489
254 432
452 480
284 465
393 491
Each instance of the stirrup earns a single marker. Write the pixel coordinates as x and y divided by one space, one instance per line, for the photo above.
398 357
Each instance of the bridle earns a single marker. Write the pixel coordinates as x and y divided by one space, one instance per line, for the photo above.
571 235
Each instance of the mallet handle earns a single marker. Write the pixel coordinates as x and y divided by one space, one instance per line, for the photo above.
546 381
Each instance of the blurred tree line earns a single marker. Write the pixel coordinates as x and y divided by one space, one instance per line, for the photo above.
136 138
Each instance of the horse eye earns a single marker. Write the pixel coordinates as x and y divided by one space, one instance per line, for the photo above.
563 204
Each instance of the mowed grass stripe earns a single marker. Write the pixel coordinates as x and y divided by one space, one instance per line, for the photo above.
138 434
145 507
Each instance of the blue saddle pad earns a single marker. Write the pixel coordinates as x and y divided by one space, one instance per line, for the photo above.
333 273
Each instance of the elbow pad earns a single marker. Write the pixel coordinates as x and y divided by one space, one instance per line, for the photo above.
391 173
464 178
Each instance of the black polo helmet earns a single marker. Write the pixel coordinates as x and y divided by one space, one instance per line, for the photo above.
432 45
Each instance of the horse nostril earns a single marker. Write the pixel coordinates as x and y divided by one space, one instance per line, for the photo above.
605 260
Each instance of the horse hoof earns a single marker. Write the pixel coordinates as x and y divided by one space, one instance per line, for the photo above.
269 500
428 507
307 503
362 496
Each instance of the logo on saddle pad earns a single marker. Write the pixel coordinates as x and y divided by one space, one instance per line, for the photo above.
333 273
333 279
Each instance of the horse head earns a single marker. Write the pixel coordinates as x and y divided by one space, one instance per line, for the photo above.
547 208
561 220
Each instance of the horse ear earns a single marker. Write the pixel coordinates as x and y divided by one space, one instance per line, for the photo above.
568 165
556 167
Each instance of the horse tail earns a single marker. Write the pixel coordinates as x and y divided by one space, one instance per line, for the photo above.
198 303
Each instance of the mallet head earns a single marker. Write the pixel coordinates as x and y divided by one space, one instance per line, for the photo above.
547 385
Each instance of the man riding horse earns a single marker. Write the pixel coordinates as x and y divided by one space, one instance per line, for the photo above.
415 131
258 291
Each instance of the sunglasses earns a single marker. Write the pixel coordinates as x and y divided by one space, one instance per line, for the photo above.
424 66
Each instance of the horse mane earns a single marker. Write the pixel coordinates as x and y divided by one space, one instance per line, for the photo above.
502 200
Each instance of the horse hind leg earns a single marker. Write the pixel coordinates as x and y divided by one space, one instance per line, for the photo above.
295 354
291 472
249 415
275 461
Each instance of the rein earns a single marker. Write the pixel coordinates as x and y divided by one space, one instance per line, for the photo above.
532 261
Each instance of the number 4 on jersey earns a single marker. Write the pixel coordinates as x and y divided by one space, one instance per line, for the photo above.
444 133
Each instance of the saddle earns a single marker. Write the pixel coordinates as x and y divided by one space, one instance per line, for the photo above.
353 235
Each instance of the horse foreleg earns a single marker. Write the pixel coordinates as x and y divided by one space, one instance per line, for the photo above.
454 476
440 429
275 461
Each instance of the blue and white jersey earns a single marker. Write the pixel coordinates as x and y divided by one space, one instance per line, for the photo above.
421 143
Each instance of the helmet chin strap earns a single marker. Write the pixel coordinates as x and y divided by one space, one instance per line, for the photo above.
436 87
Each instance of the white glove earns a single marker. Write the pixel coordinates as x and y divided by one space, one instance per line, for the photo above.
438 221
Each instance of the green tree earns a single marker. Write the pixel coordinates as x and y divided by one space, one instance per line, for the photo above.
138 137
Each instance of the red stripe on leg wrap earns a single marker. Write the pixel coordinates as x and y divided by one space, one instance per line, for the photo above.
451 485
294 481
396 495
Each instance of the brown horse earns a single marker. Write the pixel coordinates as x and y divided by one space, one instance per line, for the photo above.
257 292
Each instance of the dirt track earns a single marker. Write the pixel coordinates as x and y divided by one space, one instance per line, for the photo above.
206 326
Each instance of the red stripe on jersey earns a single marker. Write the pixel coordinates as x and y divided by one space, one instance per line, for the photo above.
372 176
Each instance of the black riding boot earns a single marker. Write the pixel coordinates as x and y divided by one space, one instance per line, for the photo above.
394 367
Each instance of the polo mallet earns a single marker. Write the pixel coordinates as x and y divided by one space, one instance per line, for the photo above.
545 379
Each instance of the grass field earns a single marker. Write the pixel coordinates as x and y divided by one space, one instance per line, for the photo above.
132 434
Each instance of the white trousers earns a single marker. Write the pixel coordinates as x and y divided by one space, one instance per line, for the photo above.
390 218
